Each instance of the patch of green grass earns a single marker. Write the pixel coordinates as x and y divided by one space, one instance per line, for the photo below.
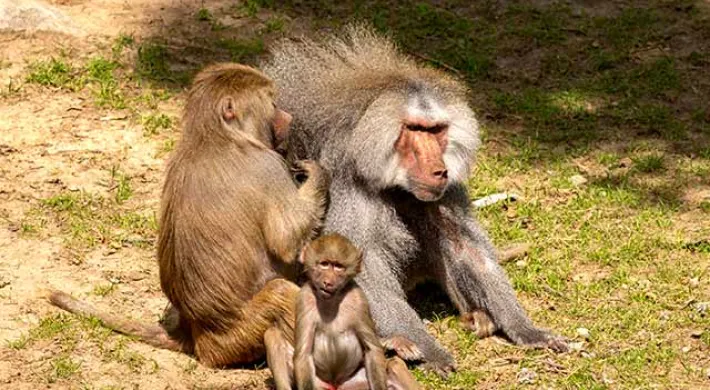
122 183
48 328
27 228
121 354
243 50
204 15
103 290
154 63
275 24
64 367
121 42
154 123
19 343
649 163
100 73
632 28
608 159
86 220
544 26
56 73
153 97
251 7
167 146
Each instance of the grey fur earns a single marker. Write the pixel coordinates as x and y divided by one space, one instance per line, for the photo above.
347 96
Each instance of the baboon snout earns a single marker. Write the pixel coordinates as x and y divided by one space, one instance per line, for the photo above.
422 155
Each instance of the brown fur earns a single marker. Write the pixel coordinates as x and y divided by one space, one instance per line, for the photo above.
336 341
232 219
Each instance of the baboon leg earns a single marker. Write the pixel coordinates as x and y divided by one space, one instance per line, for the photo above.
399 377
279 357
286 233
243 342
356 382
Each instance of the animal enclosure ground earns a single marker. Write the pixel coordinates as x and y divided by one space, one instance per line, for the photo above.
596 113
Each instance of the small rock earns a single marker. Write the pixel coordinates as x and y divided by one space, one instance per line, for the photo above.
588 355
577 180
696 334
665 315
521 264
702 307
707 373
583 333
693 282
576 346
526 375
685 349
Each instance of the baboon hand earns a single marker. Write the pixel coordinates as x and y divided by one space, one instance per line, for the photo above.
403 347
441 368
538 338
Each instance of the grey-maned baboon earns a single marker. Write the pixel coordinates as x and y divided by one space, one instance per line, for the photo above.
399 139
232 223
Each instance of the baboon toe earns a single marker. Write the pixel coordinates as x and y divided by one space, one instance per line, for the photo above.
558 344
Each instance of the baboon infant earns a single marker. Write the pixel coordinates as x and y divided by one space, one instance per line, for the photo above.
336 343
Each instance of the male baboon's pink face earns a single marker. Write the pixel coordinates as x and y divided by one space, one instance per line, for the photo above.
421 146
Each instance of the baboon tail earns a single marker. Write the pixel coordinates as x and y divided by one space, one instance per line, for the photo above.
150 334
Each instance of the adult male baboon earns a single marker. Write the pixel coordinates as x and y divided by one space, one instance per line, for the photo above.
399 139
232 222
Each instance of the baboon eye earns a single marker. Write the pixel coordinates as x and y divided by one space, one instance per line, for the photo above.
324 264
338 267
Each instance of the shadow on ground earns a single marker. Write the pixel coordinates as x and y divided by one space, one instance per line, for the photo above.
545 76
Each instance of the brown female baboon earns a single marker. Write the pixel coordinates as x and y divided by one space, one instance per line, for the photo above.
232 223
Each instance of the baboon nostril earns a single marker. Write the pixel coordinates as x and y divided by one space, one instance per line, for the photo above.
441 174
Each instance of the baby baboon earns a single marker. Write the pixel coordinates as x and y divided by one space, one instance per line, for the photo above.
232 222
399 139
336 343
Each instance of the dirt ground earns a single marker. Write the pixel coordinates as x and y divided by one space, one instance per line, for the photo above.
58 141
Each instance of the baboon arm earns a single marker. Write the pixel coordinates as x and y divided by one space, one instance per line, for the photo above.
375 362
287 230
394 316
303 364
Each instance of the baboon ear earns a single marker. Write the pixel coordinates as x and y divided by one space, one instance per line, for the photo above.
302 255
228 110
358 261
